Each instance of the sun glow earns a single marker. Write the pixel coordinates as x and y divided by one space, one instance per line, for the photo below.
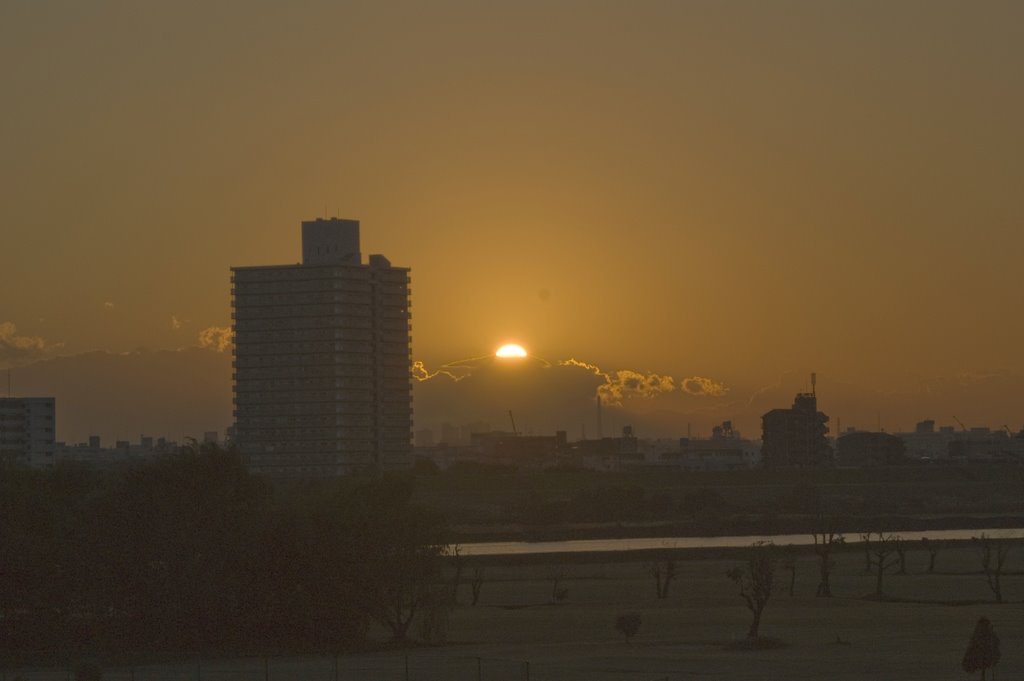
511 350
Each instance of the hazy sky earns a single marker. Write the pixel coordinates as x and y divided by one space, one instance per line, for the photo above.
733 190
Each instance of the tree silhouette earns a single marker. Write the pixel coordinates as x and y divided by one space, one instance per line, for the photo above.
826 538
476 583
663 572
983 650
882 548
628 624
756 579
401 553
933 551
559 593
865 538
993 555
789 565
900 547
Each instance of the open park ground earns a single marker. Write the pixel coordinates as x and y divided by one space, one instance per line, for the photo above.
519 631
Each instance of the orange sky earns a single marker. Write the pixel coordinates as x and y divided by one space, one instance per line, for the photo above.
729 190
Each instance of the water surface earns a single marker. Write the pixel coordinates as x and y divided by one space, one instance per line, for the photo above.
519 548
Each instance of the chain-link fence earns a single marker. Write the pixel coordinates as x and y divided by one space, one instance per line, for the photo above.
394 667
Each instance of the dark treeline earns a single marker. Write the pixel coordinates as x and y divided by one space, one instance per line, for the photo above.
748 501
191 553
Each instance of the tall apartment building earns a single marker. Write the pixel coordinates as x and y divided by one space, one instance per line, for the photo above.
322 380
28 430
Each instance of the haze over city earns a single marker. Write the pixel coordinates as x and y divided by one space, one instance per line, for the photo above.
576 340
735 193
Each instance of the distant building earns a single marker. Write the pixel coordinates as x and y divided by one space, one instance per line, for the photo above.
861 449
123 453
28 430
796 437
450 434
926 443
725 450
521 451
322 359
466 431
607 453
424 437
984 445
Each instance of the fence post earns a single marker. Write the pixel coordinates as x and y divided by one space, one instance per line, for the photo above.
406 668
335 667
199 669
479 669
266 669
526 671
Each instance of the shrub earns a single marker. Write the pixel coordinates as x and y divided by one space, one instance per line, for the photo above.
628 624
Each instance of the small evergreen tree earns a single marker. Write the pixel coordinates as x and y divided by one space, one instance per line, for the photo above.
627 624
983 650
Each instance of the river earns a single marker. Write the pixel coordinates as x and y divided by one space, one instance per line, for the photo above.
520 548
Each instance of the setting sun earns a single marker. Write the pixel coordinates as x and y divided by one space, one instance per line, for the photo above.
511 350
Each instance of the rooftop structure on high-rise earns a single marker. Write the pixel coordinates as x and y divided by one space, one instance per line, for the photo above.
322 382
796 437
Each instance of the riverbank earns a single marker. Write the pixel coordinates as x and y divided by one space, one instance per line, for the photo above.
732 526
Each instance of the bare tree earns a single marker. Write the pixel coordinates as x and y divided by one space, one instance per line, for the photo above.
558 592
826 538
789 564
992 553
755 580
865 539
900 547
882 548
663 572
933 550
458 564
476 583
435 613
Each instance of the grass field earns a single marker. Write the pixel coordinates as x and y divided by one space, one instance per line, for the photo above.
516 631
683 636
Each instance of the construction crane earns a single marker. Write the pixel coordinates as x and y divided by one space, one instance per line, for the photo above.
962 426
513 420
